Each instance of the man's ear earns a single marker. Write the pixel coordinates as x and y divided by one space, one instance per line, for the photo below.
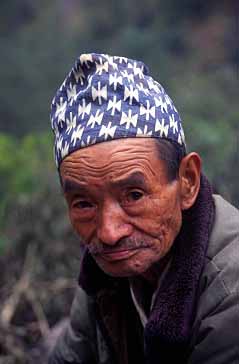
189 178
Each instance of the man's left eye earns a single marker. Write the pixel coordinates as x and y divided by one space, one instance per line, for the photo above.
134 196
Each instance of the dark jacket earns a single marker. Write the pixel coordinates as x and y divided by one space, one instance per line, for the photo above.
200 324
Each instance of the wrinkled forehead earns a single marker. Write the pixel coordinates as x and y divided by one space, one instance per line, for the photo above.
113 159
115 148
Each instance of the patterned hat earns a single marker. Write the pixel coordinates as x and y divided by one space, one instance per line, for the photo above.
104 98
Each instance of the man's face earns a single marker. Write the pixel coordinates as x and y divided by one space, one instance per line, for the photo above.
121 204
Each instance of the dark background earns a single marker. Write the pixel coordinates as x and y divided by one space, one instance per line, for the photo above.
191 48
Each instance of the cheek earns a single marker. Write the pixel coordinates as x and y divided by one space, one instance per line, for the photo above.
170 227
84 230
161 219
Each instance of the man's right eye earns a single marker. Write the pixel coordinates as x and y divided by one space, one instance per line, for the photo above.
83 204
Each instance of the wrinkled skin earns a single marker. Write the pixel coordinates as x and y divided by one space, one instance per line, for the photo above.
122 205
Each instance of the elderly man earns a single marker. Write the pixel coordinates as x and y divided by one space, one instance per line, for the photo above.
160 265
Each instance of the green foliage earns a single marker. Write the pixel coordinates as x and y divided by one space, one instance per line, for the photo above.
188 46
22 162
26 165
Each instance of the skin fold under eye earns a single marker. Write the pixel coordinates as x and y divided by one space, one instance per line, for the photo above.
82 210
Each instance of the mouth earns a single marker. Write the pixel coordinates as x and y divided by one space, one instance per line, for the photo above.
118 255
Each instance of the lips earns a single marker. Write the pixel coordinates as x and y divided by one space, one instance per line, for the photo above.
118 255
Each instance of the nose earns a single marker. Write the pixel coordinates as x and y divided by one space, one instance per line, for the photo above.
112 225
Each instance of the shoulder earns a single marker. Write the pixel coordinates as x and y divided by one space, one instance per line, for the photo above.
217 312
219 278
82 315
225 228
223 249
76 343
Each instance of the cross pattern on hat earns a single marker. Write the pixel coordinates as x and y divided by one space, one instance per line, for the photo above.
107 97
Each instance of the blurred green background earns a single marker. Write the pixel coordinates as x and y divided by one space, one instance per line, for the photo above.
191 48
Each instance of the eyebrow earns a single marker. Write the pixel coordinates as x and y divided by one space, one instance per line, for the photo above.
70 186
135 179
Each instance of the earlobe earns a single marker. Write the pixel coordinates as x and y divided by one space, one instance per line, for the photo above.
189 177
